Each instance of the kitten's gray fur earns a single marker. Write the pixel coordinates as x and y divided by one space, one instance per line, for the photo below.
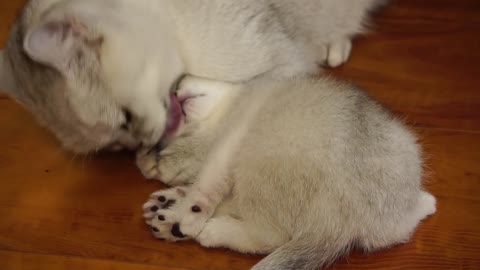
79 64
304 168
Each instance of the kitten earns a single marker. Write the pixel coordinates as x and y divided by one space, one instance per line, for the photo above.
304 169
99 73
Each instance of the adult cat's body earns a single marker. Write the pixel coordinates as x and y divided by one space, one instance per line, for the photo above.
308 170
99 72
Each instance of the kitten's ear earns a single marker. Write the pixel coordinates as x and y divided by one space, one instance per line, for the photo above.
54 43
6 76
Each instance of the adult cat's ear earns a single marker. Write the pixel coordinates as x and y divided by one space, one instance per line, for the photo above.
54 43
6 76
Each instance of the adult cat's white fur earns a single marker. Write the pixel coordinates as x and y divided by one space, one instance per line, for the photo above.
304 168
99 72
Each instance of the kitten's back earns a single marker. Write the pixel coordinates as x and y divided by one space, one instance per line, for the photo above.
334 137
328 167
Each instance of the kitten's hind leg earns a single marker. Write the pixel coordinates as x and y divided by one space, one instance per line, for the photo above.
239 235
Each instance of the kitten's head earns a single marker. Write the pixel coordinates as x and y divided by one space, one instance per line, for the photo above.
91 73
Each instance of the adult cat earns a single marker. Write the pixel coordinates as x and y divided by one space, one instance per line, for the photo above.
304 168
99 73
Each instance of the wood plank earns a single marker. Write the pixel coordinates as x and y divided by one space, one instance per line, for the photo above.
30 261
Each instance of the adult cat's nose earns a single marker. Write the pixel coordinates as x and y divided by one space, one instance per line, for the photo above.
176 231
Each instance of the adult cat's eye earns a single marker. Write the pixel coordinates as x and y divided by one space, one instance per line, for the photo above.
128 119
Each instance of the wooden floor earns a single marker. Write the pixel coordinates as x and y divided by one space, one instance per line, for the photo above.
58 211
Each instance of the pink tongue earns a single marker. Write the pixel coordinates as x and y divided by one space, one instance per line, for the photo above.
174 116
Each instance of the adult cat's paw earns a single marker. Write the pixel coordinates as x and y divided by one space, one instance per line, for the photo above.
174 165
338 52
177 214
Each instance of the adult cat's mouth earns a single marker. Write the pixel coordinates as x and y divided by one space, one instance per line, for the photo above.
175 116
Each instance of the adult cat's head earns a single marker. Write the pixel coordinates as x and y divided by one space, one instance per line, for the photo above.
93 71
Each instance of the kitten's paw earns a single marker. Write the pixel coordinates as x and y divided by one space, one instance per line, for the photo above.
174 165
339 52
163 199
210 236
147 162
182 219
200 97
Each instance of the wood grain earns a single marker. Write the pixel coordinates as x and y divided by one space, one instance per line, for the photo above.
59 211
30 261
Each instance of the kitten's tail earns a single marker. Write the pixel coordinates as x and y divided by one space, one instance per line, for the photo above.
304 254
